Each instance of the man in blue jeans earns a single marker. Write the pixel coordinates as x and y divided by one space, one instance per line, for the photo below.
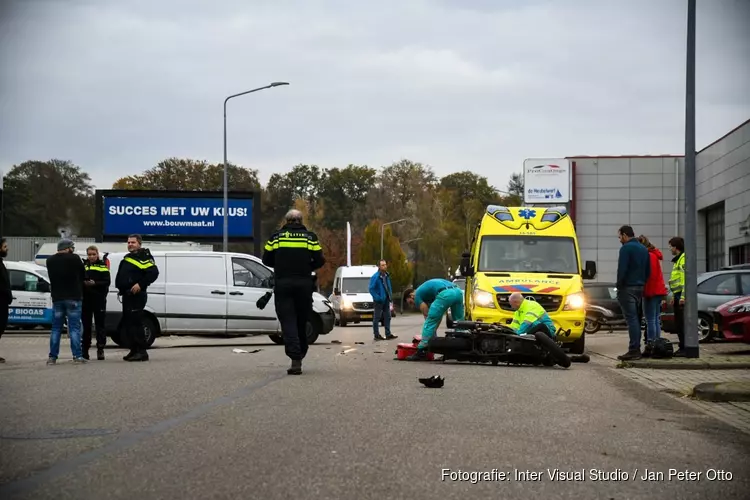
382 297
66 275
632 272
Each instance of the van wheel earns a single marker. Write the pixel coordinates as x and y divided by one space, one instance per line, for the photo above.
150 330
277 339
312 332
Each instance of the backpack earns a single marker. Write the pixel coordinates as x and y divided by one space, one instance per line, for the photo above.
662 349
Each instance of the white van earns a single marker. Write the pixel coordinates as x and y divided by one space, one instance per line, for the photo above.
32 302
210 293
48 249
351 299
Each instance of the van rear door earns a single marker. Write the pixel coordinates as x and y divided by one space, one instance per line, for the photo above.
196 294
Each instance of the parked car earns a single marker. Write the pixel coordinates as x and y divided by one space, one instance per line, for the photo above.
714 289
731 320
460 283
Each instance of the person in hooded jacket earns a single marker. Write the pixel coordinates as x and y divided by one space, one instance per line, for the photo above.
137 271
95 290
654 292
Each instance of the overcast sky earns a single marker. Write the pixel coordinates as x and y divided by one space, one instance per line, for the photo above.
118 85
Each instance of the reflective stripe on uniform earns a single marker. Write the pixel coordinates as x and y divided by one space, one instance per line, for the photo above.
103 269
292 240
140 264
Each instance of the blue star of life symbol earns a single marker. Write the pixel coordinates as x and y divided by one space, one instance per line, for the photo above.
527 214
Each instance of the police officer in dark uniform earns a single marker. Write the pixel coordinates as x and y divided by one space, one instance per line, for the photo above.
137 271
294 253
95 289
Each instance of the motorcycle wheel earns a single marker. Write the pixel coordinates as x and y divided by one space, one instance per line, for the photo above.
555 351
591 326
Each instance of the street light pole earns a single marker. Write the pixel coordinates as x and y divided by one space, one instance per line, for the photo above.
690 292
226 187
382 229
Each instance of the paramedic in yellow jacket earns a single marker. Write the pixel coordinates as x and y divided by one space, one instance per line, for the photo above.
530 317
677 287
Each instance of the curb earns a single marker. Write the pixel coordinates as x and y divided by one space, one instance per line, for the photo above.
696 365
722 391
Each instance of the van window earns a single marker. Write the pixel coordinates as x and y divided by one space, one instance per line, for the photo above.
21 281
530 254
249 273
355 285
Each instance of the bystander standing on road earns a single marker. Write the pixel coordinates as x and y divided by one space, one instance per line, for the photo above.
677 285
632 272
653 293
6 295
382 297
95 290
66 276
294 253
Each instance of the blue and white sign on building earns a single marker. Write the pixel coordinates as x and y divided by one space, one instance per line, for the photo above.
170 215
547 180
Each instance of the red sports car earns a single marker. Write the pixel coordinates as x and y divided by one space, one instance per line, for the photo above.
732 319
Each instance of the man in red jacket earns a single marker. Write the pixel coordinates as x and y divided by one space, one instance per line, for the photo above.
653 293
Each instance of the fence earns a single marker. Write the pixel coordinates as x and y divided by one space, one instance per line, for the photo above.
24 248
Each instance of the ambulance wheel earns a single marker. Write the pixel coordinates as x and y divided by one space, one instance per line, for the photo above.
579 345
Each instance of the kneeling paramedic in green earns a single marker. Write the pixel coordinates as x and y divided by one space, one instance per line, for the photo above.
434 297
530 317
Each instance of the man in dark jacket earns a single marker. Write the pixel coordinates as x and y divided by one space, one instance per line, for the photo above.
294 253
137 271
632 272
382 297
95 290
6 295
66 276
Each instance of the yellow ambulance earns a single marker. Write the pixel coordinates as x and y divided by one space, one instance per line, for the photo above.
532 250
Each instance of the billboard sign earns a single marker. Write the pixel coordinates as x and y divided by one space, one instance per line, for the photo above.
177 215
546 180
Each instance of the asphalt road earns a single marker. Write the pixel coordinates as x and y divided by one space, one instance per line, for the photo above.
199 421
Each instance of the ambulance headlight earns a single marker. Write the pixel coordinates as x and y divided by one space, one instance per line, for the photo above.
483 299
574 301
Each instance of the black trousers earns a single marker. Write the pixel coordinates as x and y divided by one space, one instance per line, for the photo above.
93 309
132 321
679 320
293 303
4 311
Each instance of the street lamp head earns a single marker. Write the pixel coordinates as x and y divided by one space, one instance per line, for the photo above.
276 84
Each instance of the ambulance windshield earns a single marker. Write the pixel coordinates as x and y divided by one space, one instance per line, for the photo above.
528 254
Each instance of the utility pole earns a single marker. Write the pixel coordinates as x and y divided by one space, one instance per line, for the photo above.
691 214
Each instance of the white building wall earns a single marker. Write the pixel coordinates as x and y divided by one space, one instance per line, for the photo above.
646 193
723 174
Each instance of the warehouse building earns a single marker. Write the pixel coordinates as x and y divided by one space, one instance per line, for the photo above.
648 193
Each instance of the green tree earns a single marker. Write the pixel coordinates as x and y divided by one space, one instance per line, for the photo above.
467 196
369 253
516 190
46 197
343 195
184 174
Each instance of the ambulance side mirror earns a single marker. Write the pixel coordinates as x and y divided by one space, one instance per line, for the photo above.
589 271
465 267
